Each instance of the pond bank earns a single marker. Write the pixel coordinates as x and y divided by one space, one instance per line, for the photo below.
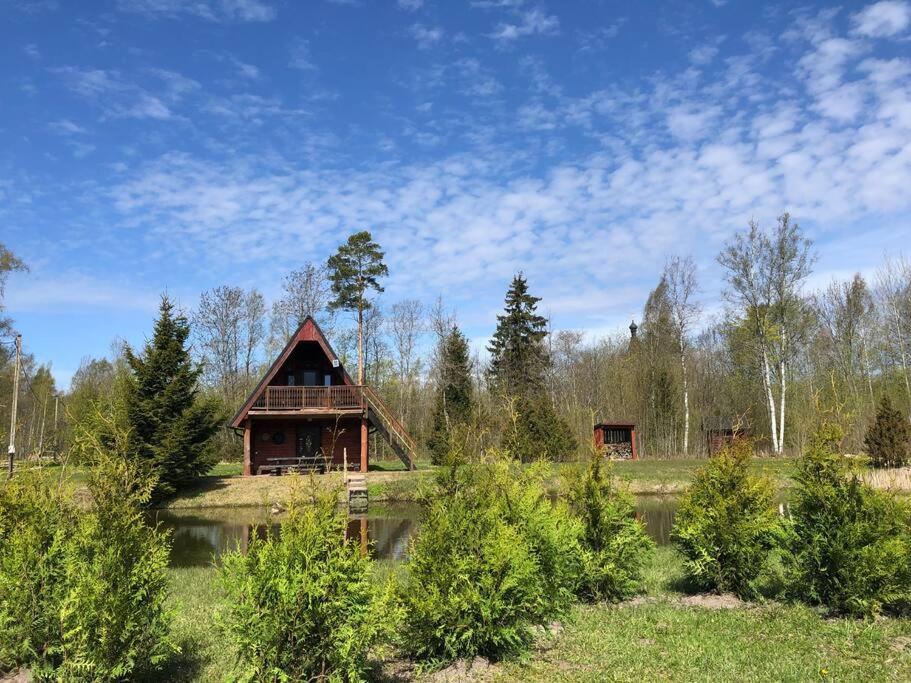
226 488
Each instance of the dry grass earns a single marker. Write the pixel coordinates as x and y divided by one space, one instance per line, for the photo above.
897 479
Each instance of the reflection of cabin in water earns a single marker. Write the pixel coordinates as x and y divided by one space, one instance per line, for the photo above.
720 431
306 413
617 440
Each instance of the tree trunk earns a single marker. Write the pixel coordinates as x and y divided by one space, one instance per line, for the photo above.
686 404
360 345
784 383
767 385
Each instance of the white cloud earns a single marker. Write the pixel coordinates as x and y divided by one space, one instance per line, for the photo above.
210 10
66 127
703 54
883 19
426 36
300 56
123 98
410 5
534 22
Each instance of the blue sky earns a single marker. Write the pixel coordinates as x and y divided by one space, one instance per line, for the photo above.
152 145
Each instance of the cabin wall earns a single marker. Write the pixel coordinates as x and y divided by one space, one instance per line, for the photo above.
344 433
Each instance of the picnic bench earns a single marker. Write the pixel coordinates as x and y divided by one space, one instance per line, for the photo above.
294 464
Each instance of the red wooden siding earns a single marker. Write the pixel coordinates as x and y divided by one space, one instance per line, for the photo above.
347 436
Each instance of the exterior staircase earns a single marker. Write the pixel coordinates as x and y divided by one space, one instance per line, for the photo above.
385 422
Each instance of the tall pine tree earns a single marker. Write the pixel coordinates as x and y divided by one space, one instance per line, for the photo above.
172 425
455 399
518 363
354 270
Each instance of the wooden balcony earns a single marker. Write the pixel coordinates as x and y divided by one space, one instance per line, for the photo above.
299 399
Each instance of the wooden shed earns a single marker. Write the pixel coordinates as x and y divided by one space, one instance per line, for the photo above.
720 431
617 440
307 413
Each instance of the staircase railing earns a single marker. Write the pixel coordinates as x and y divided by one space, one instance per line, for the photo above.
392 424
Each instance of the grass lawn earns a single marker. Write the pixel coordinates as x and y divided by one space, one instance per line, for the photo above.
656 637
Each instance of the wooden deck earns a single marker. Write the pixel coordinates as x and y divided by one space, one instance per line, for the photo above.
282 400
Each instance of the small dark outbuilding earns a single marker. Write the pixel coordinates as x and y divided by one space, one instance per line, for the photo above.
720 431
617 440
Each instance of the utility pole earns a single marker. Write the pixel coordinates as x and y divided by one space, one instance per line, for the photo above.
11 453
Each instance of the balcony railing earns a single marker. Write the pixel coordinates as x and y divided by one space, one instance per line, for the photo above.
342 397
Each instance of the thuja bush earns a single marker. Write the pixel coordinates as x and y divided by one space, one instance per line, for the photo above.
83 588
849 546
518 495
727 523
615 545
494 557
34 529
113 619
302 604
888 439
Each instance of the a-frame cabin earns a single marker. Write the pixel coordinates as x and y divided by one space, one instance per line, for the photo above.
307 413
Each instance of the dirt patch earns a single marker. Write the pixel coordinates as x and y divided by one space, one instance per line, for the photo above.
20 676
477 669
713 601
901 644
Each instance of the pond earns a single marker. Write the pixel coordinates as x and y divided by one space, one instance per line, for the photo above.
201 536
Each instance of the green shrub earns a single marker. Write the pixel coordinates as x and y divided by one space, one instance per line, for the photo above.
888 439
535 431
727 524
34 528
616 547
519 496
82 589
113 619
494 557
850 546
302 604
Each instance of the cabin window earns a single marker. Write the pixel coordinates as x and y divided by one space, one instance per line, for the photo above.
278 438
327 380
309 378
291 381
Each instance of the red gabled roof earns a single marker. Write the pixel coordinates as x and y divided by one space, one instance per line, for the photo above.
309 331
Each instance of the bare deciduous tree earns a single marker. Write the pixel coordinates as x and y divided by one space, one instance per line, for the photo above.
765 272
306 291
406 324
682 287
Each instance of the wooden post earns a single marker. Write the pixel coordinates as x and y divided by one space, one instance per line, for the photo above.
11 452
632 434
364 440
248 438
363 537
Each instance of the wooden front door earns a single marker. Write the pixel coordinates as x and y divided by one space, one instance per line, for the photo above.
308 440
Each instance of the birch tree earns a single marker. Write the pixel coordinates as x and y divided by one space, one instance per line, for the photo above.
764 272
894 294
682 287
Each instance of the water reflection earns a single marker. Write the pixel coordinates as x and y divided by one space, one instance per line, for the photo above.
202 536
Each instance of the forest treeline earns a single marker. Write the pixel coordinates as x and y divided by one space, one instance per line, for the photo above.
774 359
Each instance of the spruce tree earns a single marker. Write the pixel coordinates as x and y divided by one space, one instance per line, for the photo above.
454 400
172 425
517 368
888 438
518 357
